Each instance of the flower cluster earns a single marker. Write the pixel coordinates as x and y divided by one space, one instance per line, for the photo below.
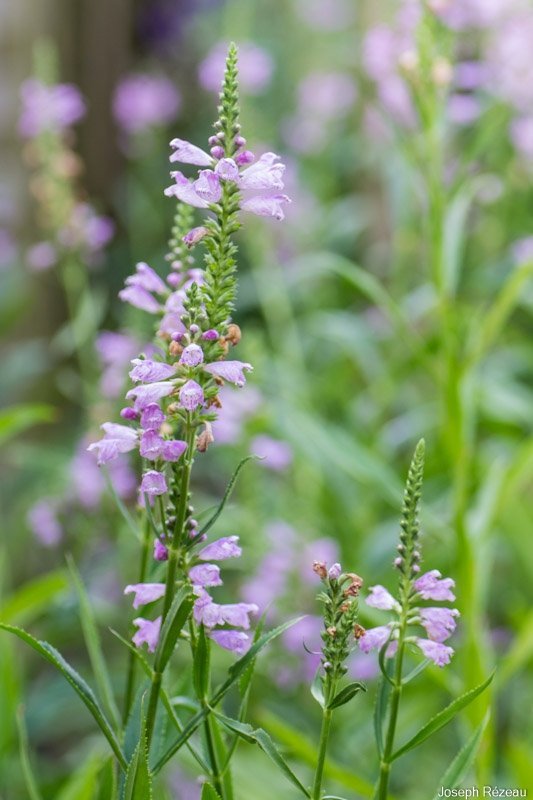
339 596
438 622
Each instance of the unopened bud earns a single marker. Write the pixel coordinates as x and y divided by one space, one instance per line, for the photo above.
175 349
319 568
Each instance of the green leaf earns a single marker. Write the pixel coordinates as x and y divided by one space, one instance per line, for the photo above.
176 618
202 662
208 793
462 762
260 737
27 771
83 784
380 709
346 694
235 671
32 598
107 785
79 685
94 646
317 688
229 488
138 783
19 418
442 718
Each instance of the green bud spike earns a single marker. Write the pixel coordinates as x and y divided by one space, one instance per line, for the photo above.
409 524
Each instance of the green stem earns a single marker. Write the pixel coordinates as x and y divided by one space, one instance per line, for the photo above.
174 551
212 752
325 730
132 660
396 693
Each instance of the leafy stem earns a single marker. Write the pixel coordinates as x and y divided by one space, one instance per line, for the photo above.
327 713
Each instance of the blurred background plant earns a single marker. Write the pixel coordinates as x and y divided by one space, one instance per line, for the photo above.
396 301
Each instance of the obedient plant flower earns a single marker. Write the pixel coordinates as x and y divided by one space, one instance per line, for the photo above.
148 632
145 593
144 101
439 623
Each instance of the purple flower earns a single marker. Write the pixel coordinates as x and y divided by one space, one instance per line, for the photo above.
195 235
182 189
227 169
49 107
277 455
139 298
153 483
149 394
334 571
206 612
145 593
41 256
160 551
207 186
439 622
379 597
151 445
430 586
191 396
117 439
264 174
236 641
148 633
141 101
231 371
255 68
205 575
173 449
146 278
267 206
187 153
238 614
223 548
374 638
44 523
439 653
211 335
152 417
150 371
192 355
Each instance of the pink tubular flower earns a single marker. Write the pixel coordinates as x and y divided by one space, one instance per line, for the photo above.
187 153
235 641
439 653
191 396
266 206
207 186
117 439
153 483
147 279
43 521
221 549
152 417
148 633
173 449
192 355
145 593
150 445
195 235
379 597
160 551
231 371
205 575
150 371
149 395
431 586
266 173
227 169
182 189
439 622
139 298
374 638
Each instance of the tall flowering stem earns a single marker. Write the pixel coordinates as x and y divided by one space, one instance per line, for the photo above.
339 597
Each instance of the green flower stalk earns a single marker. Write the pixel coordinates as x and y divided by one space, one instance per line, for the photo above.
339 598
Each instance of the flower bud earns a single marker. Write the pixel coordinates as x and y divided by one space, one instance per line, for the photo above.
319 568
128 413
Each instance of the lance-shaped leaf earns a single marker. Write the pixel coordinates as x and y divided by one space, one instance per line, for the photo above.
346 694
208 793
202 661
442 718
260 737
94 646
138 783
235 671
463 760
380 711
229 488
80 686
174 621
317 688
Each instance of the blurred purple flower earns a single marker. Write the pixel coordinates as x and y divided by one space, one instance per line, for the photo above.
41 256
44 523
236 407
255 68
142 101
116 351
522 250
49 107
277 455
334 15
463 109
8 248
327 95
521 133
